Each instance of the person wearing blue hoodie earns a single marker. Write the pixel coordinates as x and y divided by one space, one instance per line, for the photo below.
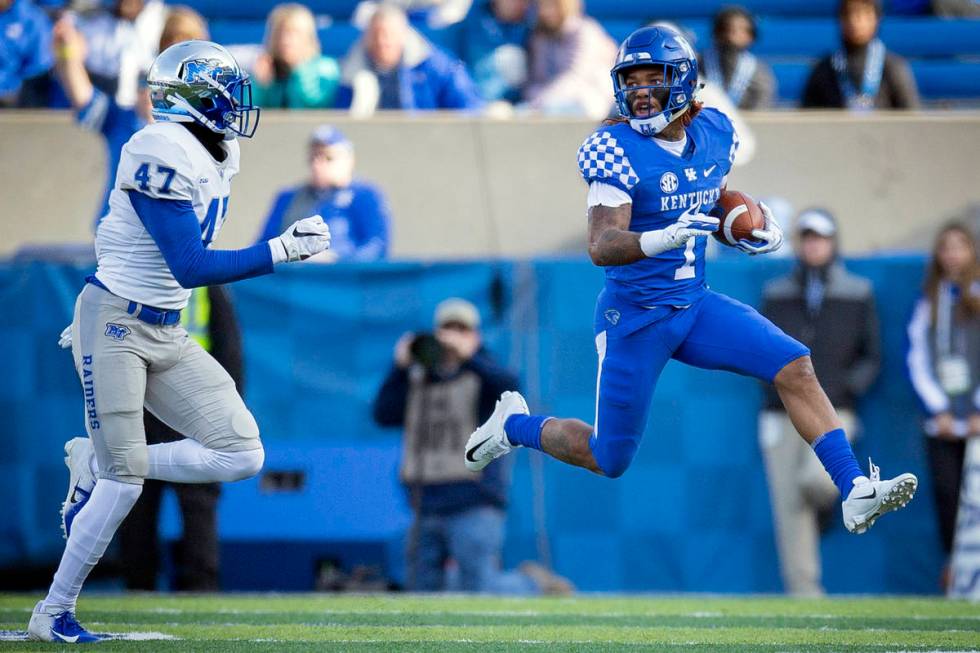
393 67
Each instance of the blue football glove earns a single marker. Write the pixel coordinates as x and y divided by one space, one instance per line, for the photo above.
770 238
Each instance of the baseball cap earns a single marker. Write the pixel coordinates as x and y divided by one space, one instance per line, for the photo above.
328 135
819 221
458 310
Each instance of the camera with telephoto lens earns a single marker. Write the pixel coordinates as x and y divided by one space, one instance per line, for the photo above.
426 350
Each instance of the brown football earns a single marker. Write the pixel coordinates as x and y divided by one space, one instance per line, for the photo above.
739 215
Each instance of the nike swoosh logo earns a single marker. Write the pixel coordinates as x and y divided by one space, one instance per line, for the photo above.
874 493
65 638
300 234
469 454
85 495
708 171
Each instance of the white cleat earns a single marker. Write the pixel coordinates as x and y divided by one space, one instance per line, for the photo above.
871 498
57 625
81 481
489 441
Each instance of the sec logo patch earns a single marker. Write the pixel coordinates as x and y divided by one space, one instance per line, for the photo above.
668 182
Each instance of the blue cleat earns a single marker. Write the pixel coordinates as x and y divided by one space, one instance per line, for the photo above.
81 481
57 625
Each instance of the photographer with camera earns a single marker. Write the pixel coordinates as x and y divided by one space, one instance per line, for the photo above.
442 386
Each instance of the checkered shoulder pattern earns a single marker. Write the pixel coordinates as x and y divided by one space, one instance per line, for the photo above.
602 159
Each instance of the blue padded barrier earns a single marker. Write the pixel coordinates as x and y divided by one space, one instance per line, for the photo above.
691 514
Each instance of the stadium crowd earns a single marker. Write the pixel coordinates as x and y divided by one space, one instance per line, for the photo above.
498 56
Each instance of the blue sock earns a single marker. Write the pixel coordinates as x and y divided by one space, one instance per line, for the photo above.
525 430
834 451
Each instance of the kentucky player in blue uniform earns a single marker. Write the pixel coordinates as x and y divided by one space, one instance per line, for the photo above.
167 205
653 178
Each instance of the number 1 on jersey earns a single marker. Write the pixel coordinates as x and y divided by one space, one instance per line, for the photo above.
686 271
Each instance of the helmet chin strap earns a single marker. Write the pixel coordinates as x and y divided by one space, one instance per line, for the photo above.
656 124
180 102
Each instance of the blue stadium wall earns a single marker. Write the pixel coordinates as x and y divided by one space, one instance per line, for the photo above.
692 513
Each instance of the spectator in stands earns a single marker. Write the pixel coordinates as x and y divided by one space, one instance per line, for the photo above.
99 111
833 313
570 57
494 48
862 75
430 14
121 42
439 389
355 210
209 318
747 80
25 54
956 8
292 73
395 67
944 364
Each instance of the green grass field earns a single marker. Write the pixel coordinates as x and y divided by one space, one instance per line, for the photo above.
465 623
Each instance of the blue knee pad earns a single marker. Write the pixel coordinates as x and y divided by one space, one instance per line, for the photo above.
614 454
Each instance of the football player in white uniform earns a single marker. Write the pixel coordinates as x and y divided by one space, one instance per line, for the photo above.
168 204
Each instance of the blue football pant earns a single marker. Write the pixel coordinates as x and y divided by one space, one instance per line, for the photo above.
715 333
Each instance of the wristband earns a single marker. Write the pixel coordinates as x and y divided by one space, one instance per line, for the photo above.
278 250
653 242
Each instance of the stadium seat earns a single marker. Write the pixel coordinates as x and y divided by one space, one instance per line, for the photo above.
259 9
335 39
909 37
704 8
937 80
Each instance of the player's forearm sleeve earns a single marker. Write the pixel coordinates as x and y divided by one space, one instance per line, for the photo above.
177 232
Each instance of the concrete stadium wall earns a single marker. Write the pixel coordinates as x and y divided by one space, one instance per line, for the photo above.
464 188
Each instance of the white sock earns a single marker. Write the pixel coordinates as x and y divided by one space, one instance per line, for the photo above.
91 533
188 461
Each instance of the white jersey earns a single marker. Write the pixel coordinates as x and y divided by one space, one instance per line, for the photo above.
165 161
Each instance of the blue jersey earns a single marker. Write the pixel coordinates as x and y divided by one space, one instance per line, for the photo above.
358 217
663 187
25 45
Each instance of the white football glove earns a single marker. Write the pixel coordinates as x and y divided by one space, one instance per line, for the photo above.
771 236
690 225
64 340
303 239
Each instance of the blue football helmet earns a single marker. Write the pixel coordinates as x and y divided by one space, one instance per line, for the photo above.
199 81
663 47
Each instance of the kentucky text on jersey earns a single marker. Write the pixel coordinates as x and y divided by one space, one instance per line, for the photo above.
663 187
700 198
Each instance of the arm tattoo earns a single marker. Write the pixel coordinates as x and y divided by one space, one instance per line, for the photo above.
610 241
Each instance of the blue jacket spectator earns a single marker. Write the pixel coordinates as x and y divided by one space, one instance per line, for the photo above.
355 210
25 54
100 112
394 67
494 48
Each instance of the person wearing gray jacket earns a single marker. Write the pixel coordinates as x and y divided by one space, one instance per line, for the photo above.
833 313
